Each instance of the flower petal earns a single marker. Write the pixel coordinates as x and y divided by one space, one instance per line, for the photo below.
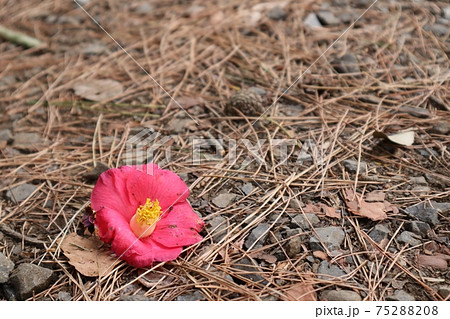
154 183
111 191
179 226
114 228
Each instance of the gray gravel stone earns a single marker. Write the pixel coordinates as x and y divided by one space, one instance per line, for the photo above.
20 193
332 237
6 135
94 48
29 279
27 140
64 296
277 13
419 180
352 166
418 227
218 224
328 18
249 270
197 295
400 295
255 234
302 220
446 12
438 29
379 232
134 298
247 188
6 266
144 8
179 125
224 200
444 291
294 246
348 63
426 212
409 238
311 21
440 127
328 271
340 295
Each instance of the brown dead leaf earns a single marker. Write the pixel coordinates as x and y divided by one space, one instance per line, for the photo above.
97 90
310 208
321 255
358 206
432 261
187 101
330 211
87 254
301 292
390 208
271 259
375 196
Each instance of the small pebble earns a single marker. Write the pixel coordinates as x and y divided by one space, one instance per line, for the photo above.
277 13
311 21
6 266
328 18
20 192
256 233
340 295
224 200
352 166
29 279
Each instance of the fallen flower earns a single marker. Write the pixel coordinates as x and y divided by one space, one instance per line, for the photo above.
143 212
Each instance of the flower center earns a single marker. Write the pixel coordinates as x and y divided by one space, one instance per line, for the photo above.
143 223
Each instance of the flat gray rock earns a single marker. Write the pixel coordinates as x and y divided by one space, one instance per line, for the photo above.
134 298
428 211
247 188
191 297
277 13
294 246
446 12
329 271
311 21
409 238
27 140
29 279
6 266
400 295
340 295
217 224
247 269
379 232
302 221
332 237
257 232
6 135
64 296
419 180
348 63
444 291
20 193
418 227
352 166
224 200
328 18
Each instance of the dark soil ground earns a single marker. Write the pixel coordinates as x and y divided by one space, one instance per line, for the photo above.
276 227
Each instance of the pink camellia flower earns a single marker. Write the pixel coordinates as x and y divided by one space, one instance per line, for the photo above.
143 212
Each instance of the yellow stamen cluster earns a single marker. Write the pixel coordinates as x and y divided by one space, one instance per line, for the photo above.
148 213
